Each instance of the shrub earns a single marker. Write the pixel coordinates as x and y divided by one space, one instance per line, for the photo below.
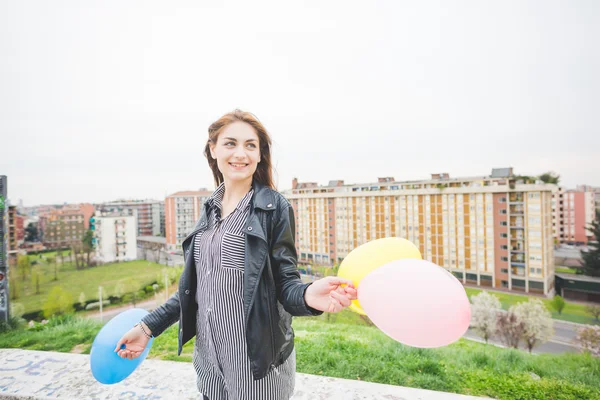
59 302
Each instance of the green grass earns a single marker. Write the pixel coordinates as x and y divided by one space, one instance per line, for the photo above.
365 353
86 280
359 351
59 335
572 312
565 270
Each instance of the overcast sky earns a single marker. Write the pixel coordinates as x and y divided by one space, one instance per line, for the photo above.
111 99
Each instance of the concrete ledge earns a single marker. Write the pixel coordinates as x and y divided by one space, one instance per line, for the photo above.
26 374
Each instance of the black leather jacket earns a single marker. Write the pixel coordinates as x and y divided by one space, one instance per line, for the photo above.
272 292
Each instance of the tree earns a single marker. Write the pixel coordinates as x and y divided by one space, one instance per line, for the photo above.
35 279
510 328
589 339
142 252
52 261
483 314
591 258
594 310
14 289
59 302
538 326
23 265
558 304
549 177
31 233
156 248
77 251
59 254
88 245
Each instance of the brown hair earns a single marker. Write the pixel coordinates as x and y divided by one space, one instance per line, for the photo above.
264 170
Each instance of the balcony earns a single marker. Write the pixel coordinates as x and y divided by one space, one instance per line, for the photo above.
518 258
518 270
516 198
517 235
516 209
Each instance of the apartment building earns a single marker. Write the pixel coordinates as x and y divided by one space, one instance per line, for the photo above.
493 231
14 232
149 214
593 189
66 226
182 210
573 212
115 237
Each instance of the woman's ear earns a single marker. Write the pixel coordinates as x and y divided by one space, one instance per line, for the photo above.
211 147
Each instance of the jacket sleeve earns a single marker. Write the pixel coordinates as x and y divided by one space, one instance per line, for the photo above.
164 316
290 289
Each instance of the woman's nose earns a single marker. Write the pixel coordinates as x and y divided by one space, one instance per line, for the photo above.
239 152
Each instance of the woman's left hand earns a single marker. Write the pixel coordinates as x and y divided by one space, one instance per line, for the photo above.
330 294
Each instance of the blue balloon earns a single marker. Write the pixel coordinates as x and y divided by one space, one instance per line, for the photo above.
107 367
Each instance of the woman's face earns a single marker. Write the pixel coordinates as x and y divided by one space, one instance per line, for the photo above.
237 152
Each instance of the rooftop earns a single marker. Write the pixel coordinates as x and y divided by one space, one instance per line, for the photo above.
189 193
153 239
575 277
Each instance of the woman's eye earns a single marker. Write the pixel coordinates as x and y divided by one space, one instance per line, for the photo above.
251 145
229 144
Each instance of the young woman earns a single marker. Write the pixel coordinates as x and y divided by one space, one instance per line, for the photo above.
240 286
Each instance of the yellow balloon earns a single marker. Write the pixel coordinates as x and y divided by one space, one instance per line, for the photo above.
368 257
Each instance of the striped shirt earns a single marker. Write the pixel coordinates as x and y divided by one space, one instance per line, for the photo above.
220 353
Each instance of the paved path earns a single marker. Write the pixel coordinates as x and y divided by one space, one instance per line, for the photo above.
27 374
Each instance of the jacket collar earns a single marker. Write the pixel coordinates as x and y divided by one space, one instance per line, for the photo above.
264 197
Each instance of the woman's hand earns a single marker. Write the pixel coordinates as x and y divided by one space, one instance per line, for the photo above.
330 294
135 342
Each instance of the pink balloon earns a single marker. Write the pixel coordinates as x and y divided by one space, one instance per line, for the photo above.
416 303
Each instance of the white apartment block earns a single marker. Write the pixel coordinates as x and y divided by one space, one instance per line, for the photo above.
115 238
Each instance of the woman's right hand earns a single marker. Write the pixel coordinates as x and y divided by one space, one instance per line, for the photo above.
135 342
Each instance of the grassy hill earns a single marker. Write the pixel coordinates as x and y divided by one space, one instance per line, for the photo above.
358 351
77 281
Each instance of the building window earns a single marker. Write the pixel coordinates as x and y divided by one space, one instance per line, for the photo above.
502 200
504 270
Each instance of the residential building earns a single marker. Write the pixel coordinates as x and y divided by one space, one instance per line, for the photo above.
66 226
182 210
573 212
593 189
5 262
40 210
152 248
115 237
493 231
149 214
13 248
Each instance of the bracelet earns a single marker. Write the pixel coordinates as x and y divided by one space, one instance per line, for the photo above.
143 330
